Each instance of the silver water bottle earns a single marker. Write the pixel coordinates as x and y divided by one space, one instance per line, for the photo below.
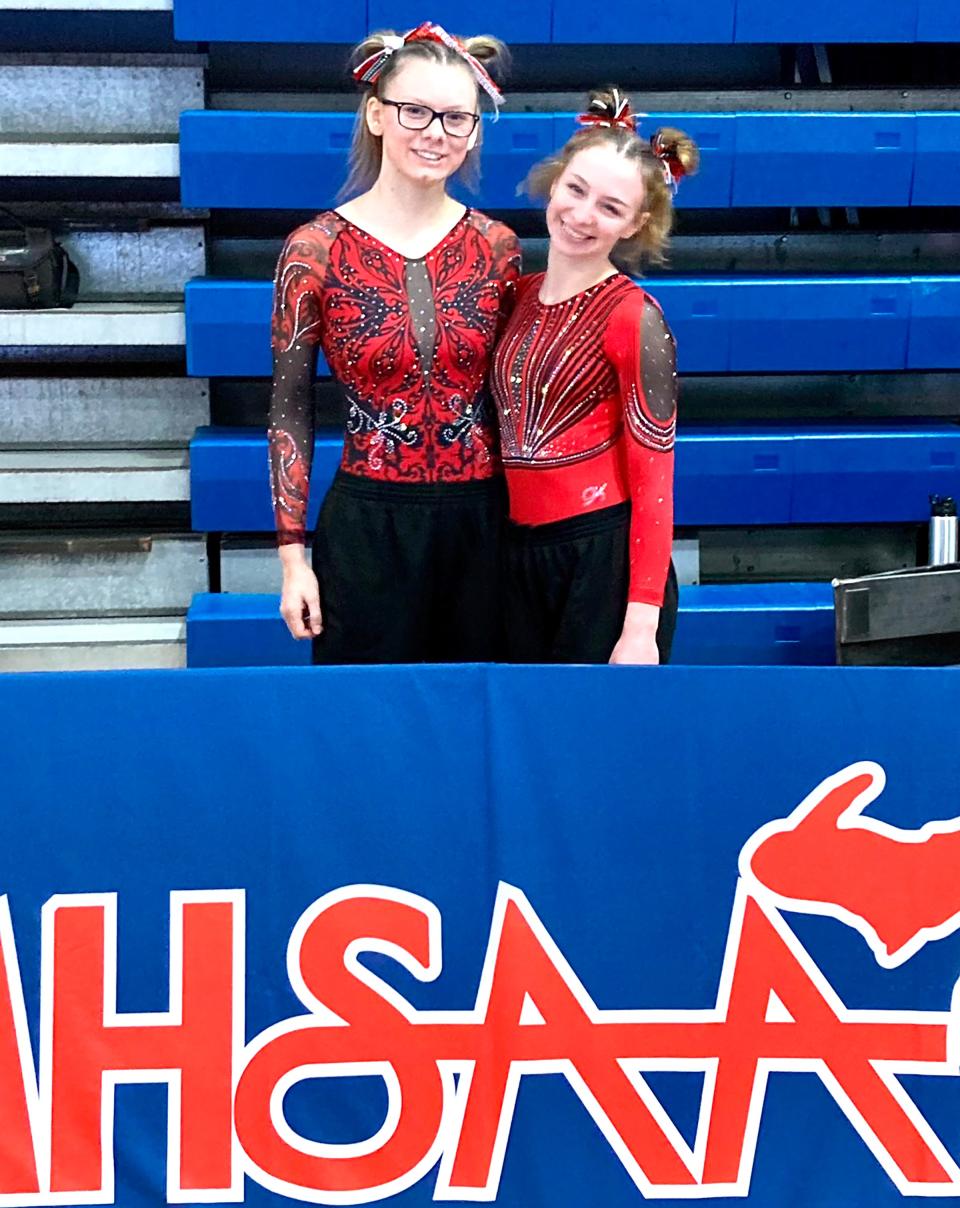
943 530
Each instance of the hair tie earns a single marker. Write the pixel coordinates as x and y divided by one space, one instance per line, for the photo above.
599 114
369 71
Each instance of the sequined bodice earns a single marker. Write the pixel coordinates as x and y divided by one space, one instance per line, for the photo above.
408 341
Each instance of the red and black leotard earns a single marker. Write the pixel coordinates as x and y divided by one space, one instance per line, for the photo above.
409 342
587 391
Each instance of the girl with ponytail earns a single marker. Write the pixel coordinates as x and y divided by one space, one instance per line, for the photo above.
404 290
585 383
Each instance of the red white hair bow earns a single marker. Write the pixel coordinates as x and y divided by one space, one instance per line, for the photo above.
368 72
673 169
599 114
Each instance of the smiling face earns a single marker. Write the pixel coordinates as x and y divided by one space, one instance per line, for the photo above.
431 155
596 201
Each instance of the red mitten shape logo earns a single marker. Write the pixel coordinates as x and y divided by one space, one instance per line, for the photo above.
899 888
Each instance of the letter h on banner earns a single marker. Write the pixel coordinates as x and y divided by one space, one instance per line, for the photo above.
86 1048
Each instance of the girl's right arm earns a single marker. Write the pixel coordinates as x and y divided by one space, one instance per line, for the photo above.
296 329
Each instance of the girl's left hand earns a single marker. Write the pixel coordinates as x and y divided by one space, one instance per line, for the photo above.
637 644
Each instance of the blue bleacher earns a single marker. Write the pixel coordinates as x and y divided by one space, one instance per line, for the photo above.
936 177
570 21
815 159
938 21
268 21
750 624
656 21
511 146
787 624
723 325
826 21
240 630
283 160
935 324
784 324
873 476
262 160
724 476
229 482
527 22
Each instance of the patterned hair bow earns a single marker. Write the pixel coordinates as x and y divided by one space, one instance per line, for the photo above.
368 72
673 169
599 114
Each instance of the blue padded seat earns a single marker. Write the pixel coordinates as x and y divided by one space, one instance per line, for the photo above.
827 21
723 325
527 22
741 623
263 160
938 21
655 21
826 323
935 324
228 328
936 178
779 325
824 159
736 624
228 325
725 476
268 21
569 21
873 475
701 314
240 630
281 160
814 475
511 146
230 483
751 476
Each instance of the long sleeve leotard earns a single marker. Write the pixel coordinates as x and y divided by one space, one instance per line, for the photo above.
586 390
409 342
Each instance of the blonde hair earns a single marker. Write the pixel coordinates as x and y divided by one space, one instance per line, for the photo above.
366 149
649 244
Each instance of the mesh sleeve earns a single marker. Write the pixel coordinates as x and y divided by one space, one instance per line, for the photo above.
296 329
644 353
507 264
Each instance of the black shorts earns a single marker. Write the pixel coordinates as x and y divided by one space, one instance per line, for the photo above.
565 588
408 572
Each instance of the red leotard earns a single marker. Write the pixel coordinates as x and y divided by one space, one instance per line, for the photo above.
409 342
586 390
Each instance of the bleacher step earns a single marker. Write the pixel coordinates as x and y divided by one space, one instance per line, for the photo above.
85 644
94 476
96 325
38 155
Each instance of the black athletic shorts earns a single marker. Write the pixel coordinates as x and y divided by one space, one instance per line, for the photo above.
564 589
408 572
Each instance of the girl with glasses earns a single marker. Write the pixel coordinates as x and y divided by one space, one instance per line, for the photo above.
404 289
585 383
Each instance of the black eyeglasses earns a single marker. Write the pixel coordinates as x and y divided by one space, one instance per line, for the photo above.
455 122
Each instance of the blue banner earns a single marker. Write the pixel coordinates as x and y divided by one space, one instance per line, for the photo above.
531 936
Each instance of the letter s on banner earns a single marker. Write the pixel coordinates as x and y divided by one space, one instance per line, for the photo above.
357 1025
